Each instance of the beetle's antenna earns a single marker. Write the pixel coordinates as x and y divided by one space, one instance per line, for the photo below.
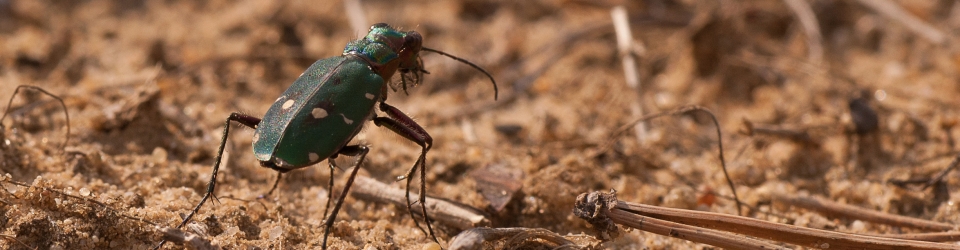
495 90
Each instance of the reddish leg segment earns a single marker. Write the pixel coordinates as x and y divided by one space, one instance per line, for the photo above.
403 125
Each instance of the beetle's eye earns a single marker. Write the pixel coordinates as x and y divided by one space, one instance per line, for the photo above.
413 40
379 25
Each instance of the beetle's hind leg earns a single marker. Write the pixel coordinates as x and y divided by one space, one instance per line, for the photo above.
332 161
275 184
356 150
244 120
404 126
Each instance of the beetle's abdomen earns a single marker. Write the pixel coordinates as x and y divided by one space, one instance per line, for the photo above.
319 113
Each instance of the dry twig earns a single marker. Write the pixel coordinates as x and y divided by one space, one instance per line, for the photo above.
6 178
810 27
796 135
170 234
895 12
932 237
481 237
935 180
854 212
621 24
632 214
14 239
602 210
456 215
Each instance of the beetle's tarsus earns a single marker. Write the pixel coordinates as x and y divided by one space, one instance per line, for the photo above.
403 84
333 165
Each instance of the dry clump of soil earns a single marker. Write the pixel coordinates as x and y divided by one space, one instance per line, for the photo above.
148 85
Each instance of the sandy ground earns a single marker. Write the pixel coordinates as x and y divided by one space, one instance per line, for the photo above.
147 85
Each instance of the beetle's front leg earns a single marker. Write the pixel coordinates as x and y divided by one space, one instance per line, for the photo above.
404 126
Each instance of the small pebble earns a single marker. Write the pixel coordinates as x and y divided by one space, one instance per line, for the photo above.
275 233
432 246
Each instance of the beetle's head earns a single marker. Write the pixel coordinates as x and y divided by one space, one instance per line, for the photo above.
406 45
390 50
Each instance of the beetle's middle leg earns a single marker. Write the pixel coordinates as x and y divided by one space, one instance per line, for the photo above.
355 150
332 161
404 126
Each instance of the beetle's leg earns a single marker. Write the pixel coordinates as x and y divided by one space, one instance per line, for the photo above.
420 71
332 161
403 82
404 126
275 184
243 119
356 150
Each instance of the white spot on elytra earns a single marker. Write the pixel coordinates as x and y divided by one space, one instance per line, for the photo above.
301 74
256 137
287 104
347 120
280 98
313 156
369 96
318 113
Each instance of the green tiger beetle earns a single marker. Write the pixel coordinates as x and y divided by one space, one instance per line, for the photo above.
328 104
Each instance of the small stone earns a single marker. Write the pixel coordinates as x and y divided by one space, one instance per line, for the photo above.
159 154
432 246
275 233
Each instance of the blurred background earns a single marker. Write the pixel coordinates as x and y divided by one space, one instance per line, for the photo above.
840 99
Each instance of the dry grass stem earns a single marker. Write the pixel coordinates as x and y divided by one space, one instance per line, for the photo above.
797 135
893 11
932 237
453 214
596 208
802 236
6 178
485 237
935 180
625 42
696 234
829 207
811 28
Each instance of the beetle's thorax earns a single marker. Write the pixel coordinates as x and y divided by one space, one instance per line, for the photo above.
387 49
